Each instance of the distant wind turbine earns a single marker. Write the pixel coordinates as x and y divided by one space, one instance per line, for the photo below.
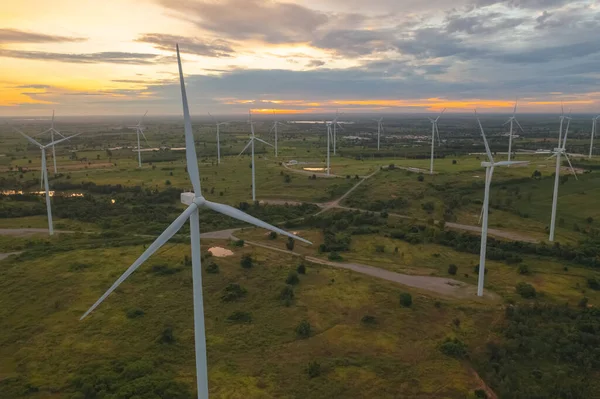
219 124
274 128
45 171
335 124
594 120
489 171
560 150
52 131
434 129
511 120
194 202
251 144
379 130
329 134
139 129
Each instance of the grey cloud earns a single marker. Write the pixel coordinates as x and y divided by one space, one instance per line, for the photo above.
528 4
19 36
482 24
315 64
191 45
547 54
354 43
33 86
271 22
89 58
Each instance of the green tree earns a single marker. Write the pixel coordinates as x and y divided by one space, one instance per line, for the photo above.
406 299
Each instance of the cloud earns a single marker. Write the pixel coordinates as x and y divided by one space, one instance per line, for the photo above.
481 24
19 36
33 86
191 45
315 63
268 21
89 58
353 43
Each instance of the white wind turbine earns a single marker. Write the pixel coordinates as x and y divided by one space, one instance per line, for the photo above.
489 171
379 130
511 120
52 131
45 172
329 134
434 129
194 202
274 127
218 124
251 144
560 150
594 120
139 129
335 124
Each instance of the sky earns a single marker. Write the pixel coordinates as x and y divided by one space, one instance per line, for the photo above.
117 57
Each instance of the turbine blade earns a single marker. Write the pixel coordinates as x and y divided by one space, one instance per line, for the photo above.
507 122
551 156
61 140
45 131
57 132
340 126
504 163
571 166
438 134
246 147
237 214
487 147
190 150
28 138
262 141
515 109
144 136
159 242
520 127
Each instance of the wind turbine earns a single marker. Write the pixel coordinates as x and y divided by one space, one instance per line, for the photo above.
335 124
193 201
52 130
45 171
329 134
218 137
139 129
511 120
593 134
560 150
379 130
251 144
489 171
434 128
275 123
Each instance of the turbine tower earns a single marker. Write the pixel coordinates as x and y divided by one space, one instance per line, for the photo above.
45 172
274 127
335 124
379 130
511 120
593 134
329 134
489 171
139 129
558 152
251 144
434 129
218 124
194 202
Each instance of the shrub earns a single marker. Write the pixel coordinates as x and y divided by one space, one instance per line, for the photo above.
212 268
380 248
290 244
303 329
238 243
454 348
167 182
524 269
292 278
526 290
240 317
335 256
301 269
583 303
246 261
272 235
454 162
593 284
164 270
287 294
406 299
452 269
314 369
167 337
233 292
78 266
368 319
480 393
476 270
134 313
420 178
